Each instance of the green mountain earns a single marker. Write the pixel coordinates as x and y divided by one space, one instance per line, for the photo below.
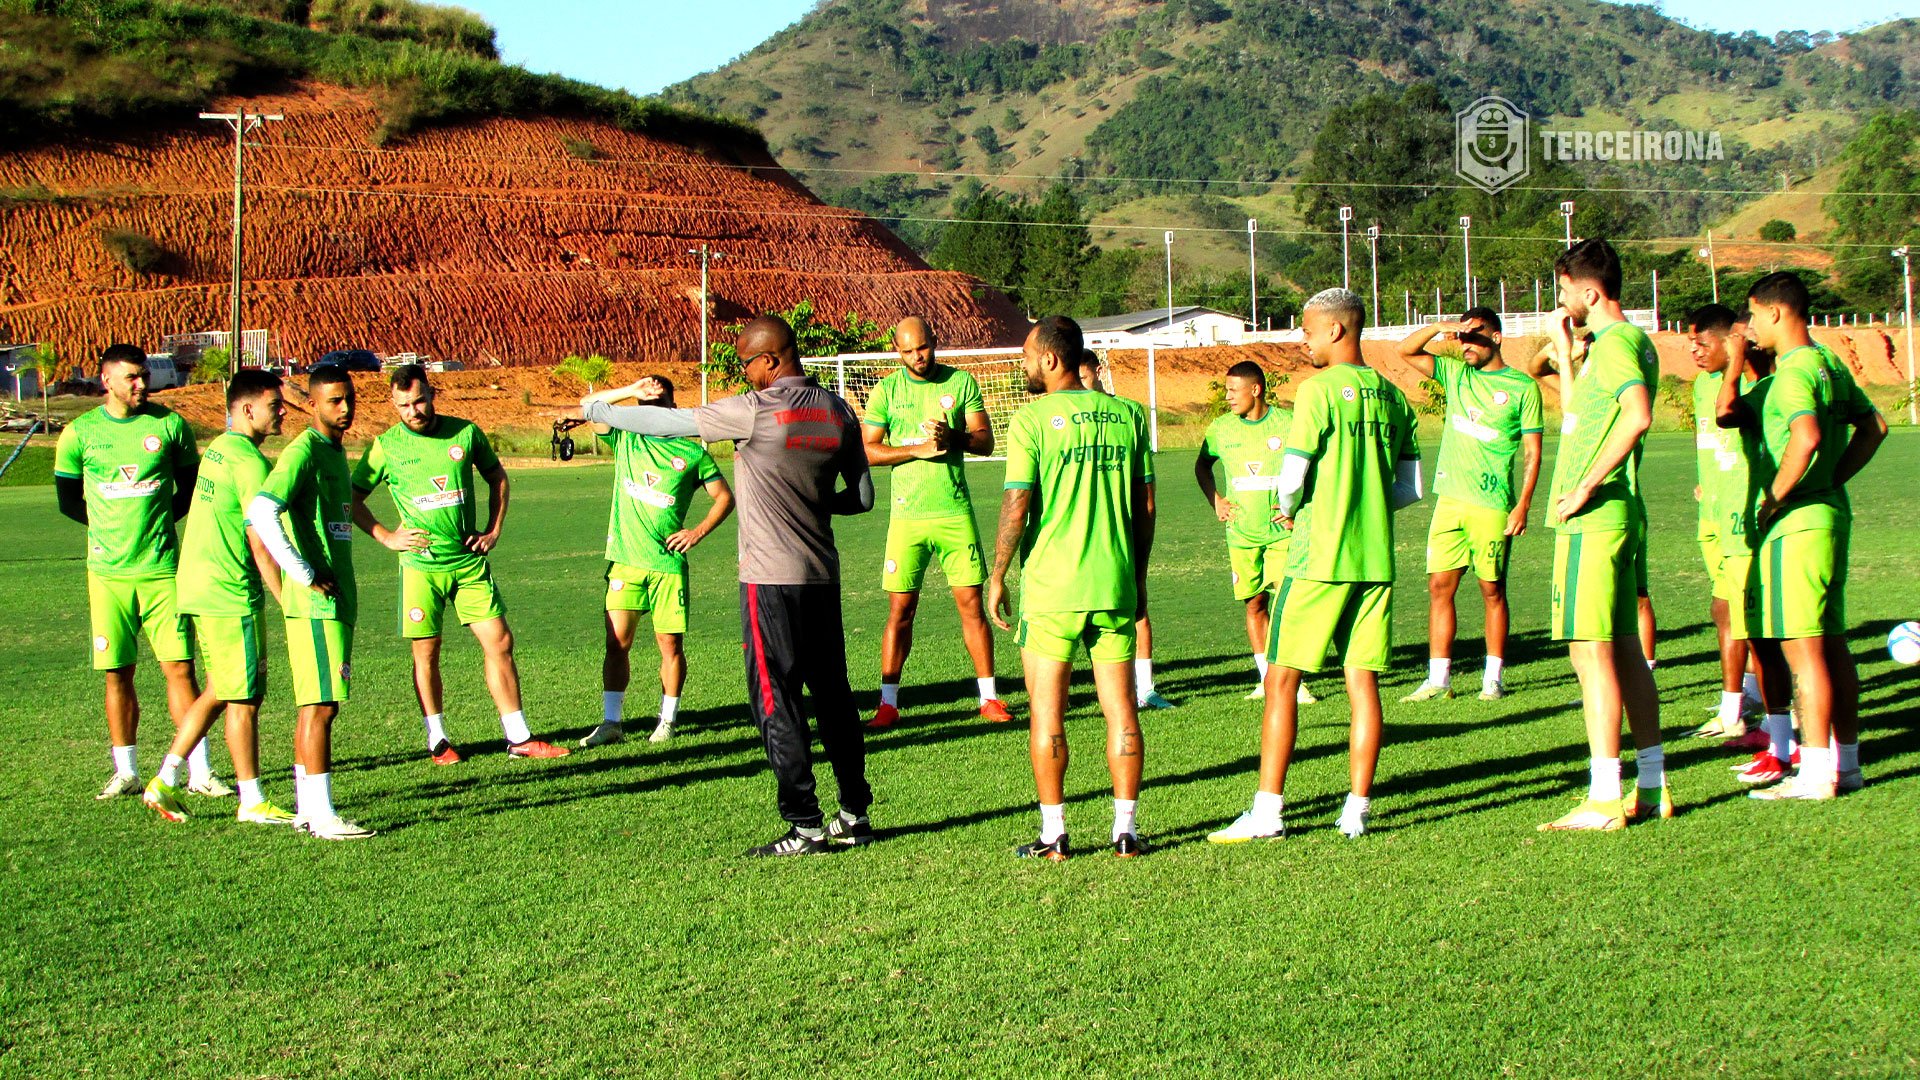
872 101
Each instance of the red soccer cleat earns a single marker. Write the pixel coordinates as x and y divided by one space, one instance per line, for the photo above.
884 717
1754 739
995 710
1765 769
537 748
446 755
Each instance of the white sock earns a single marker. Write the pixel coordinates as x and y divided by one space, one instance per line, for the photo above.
890 694
1438 670
613 705
250 793
1603 779
1260 665
299 772
669 708
436 730
1650 767
852 818
1816 764
1356 805
1123 817
1495 666
1142 676
1053 822
123 760
198 767
1266 810
1849 756
515 725
989 689
170 769
1729 706
318 801
1651 664
1750 686
1779 729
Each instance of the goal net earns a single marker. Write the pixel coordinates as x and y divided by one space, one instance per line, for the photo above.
1002 379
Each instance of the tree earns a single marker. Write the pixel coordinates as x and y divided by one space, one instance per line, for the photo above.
987 240
811 336
46 364
591 370
1057 248
211 366
1777 231
1878 160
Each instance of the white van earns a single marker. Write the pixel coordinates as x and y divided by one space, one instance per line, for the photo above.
163 373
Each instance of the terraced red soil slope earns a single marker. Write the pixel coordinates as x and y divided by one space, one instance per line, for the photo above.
498 239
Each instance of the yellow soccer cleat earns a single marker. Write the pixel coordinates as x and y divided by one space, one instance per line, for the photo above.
1633 808
1590 816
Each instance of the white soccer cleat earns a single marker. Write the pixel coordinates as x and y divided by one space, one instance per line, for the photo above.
1258 693
1305 696
606 734
1245 828
1353 823
1493 691
210 788
661 732
332 827
121 784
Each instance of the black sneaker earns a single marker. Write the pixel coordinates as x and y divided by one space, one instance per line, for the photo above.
854 833
1057 851
1129 846
794 843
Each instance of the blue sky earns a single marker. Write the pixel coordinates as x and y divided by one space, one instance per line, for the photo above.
643 45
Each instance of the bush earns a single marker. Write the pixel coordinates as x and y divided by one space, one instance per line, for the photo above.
1433 398
591 370
579 148
211 366
1777 231
1677 393
813 337
135 251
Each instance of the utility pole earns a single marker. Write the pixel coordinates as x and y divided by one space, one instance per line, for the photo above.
1713 272
1346 215
1906 272
1466 255
1566 211
706 253
242 123
1373 259
1253 278
1169 286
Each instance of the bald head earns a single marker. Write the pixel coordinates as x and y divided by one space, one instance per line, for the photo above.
913 340
767 351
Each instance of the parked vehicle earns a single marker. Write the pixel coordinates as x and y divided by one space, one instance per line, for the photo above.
351 359
163 373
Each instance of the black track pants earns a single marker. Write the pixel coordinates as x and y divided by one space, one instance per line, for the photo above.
794 639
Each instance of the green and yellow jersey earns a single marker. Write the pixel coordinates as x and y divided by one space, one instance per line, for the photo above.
127 469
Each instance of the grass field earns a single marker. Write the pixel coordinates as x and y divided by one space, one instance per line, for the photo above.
591 915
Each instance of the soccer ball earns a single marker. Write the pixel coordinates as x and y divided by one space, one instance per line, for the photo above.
1904 643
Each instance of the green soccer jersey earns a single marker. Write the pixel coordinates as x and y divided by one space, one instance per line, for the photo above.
1080 453
1487 413
1251 452
1810 380
431 477
127 470
1354 428
1622 357
907 407
654 480
314 489
217 573
1737 496
1722 465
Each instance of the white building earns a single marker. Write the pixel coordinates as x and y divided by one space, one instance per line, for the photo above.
1189 327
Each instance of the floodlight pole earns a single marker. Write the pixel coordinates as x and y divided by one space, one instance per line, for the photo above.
1346 215
1906 272
1713 272
1466 255
241 122
1253 278
1566 211
1373 260
1169 286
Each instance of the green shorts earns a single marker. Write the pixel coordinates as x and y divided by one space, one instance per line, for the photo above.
1107 635
1592 600
1743 597
1257 569
1467 535
1714 556
1313 618
912 544
663 592
1640 580
320 652
233 650
124 608
1803 584
424 595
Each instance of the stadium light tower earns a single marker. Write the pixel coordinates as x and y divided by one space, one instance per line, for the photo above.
1346 216
1466 255
1906 272
1253 278
1566 211
1373 260
242 123
1713 272
1169 286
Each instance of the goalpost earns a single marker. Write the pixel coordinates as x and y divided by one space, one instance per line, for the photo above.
1000 373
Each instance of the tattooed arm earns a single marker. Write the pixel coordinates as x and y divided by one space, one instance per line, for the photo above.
1013 526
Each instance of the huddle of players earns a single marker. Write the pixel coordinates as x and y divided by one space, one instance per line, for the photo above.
129 469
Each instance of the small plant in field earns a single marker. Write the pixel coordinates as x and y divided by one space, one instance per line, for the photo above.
211 367
1433 398
591 370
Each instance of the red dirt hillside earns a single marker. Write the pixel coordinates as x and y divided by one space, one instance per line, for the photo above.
521 240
